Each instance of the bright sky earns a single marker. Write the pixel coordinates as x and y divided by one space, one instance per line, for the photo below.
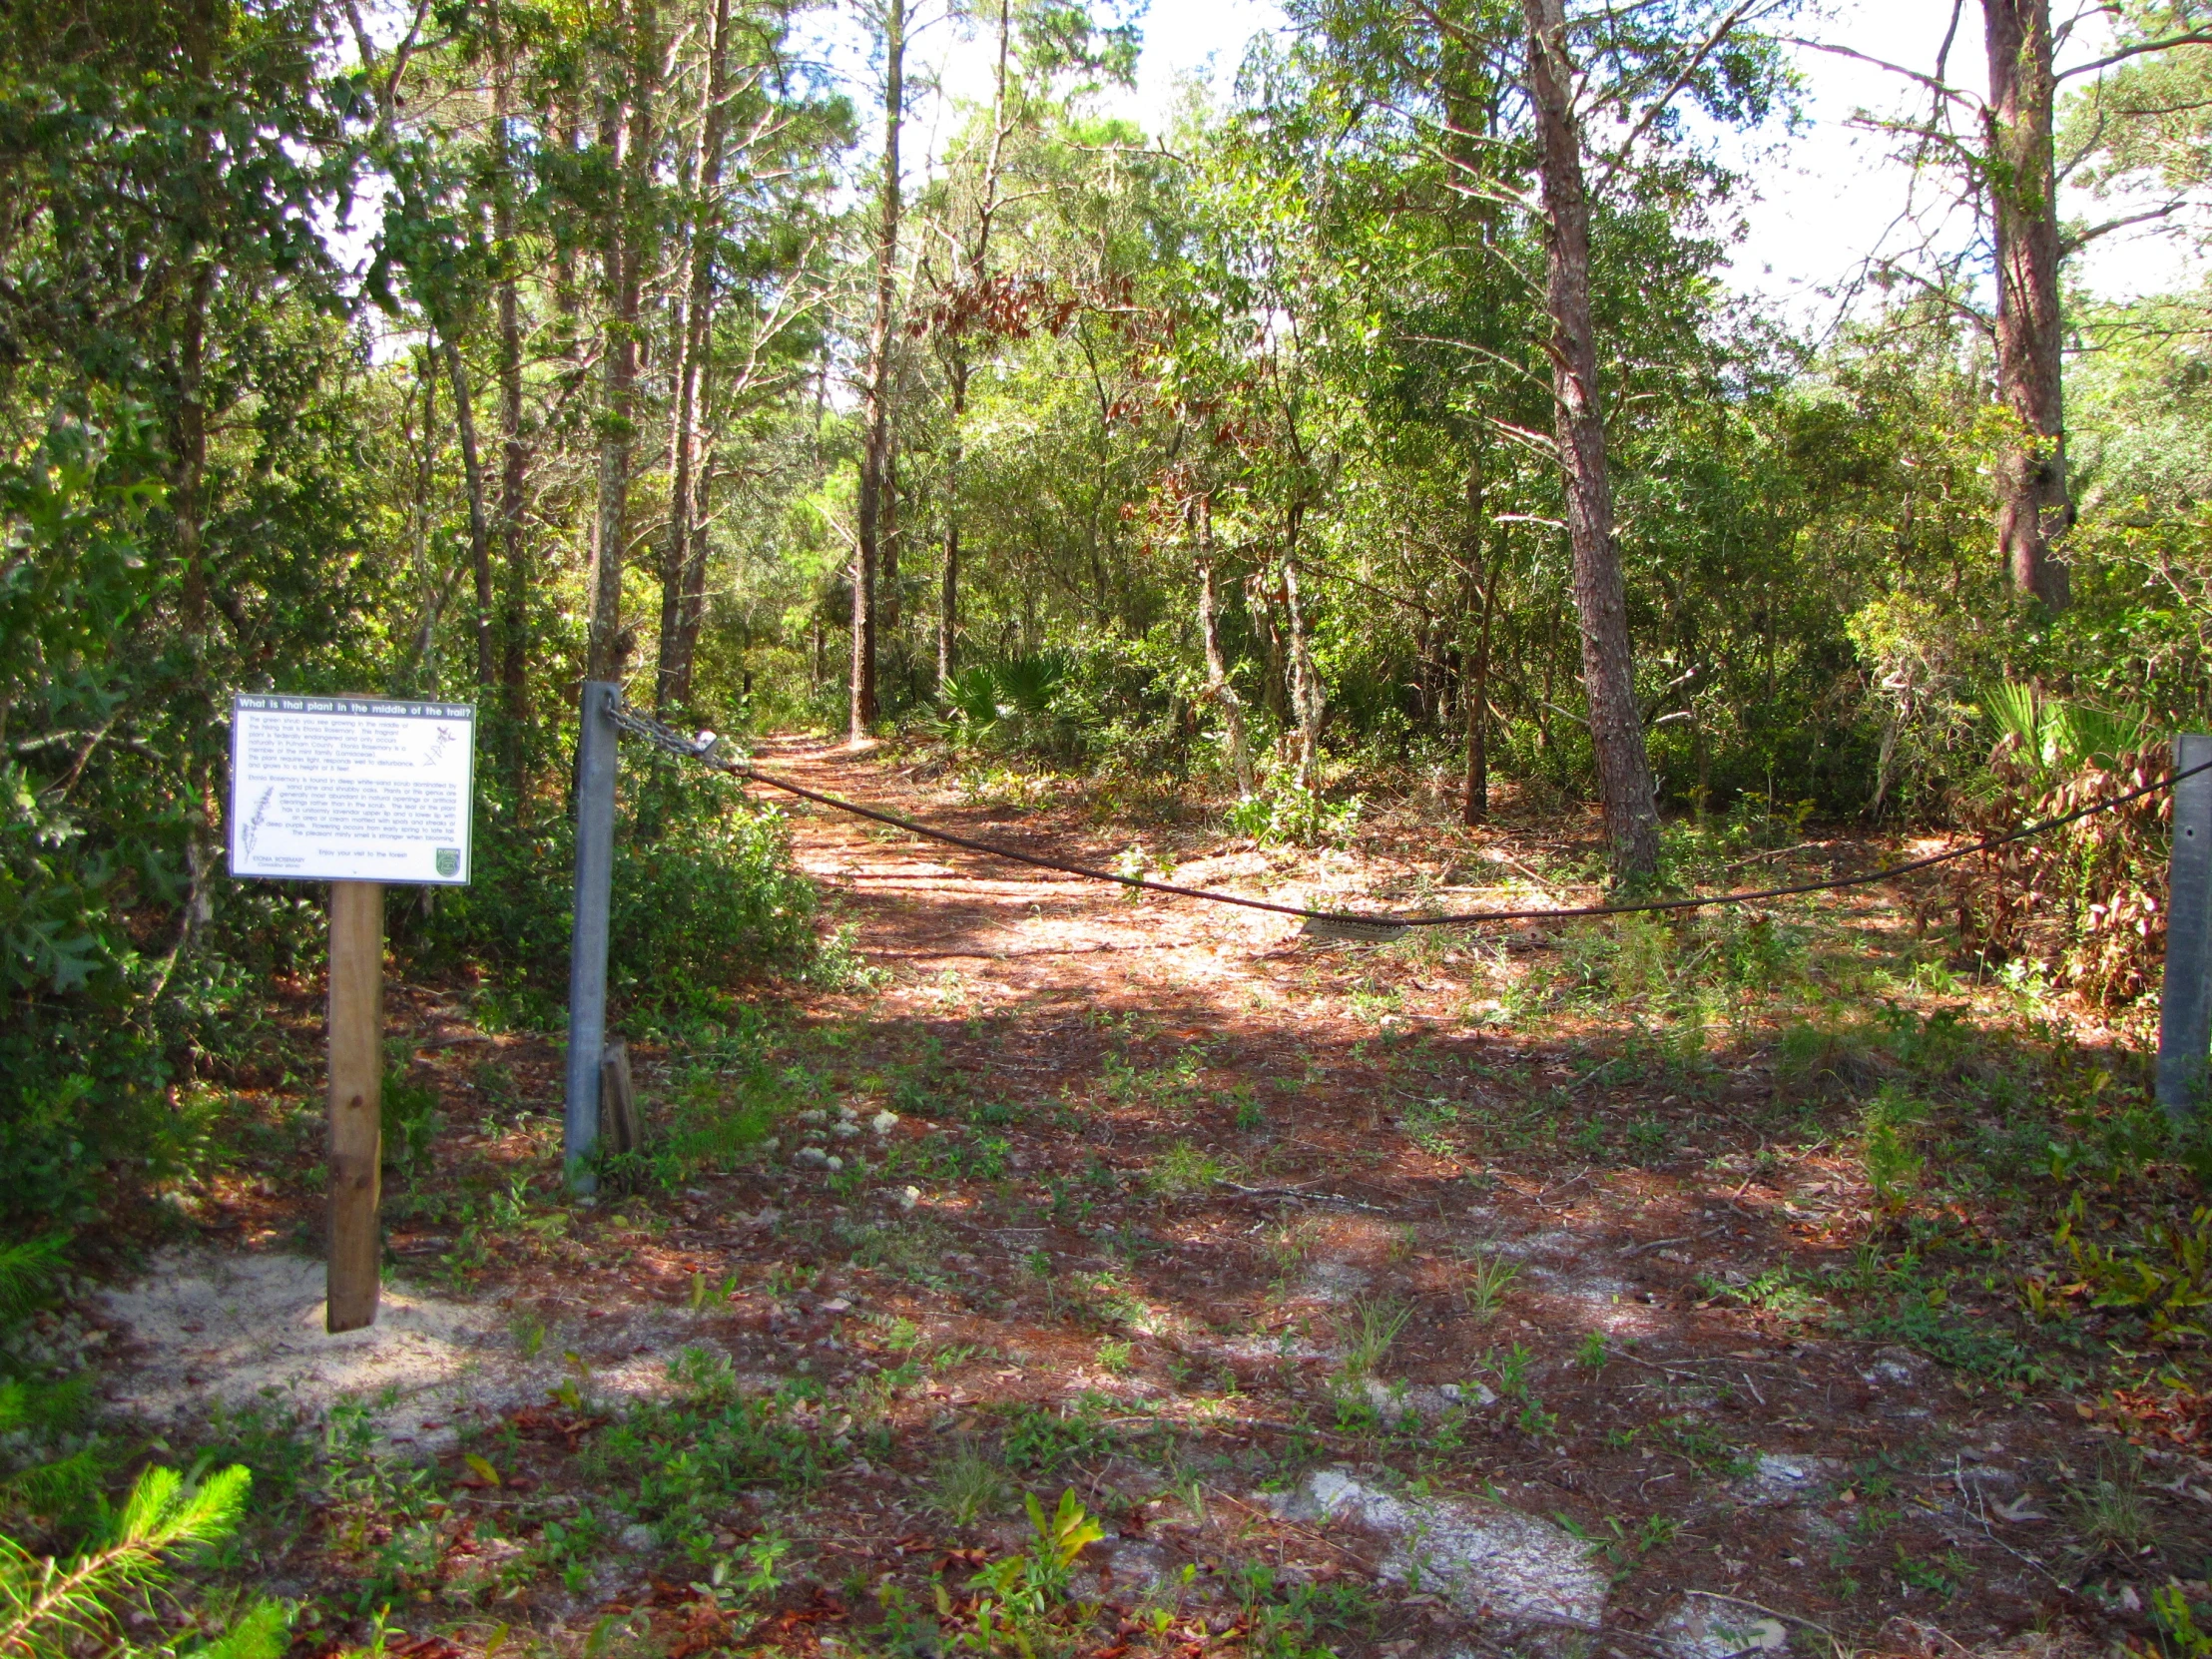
1828 197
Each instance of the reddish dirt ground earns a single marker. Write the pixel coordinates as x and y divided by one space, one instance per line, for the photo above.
1232 1205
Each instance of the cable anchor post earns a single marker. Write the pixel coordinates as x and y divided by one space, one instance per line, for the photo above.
596 751
2185 998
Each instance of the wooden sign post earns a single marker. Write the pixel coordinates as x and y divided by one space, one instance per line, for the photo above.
361 793
356 1101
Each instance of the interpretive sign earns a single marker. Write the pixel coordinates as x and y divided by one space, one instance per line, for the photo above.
350 788
362 793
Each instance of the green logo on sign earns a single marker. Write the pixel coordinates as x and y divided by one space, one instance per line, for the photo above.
449 861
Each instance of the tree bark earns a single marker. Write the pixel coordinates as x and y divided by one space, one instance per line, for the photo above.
878 416
1307 697
1260 605
433 595
948 596
986 212
888 546
1474 794
626 130
514 462
479 524
683 575
2033 504
1218 692
1608 669
187 509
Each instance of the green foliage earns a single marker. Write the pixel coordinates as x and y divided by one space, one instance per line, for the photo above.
1182 1170
51 1462
2176 1618
680 1462
28 1270
2061 737
1893 1168
1015 1595
1041 1441
49 1607
969 1485
1013 706
1288 813
1374 1331
1488 1277
1899 1301
2169 1277
704 893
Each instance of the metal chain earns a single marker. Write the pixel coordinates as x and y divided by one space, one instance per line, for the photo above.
707 748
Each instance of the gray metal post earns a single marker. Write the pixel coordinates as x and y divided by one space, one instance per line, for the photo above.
587 951
2185 1002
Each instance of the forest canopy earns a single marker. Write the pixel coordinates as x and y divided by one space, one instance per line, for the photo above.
1387 425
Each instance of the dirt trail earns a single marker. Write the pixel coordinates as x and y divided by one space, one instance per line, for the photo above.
1721 1444
931 904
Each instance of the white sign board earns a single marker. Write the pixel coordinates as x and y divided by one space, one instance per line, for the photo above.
350 788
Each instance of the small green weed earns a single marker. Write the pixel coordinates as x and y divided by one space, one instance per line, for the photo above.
1488 1277
1043 1440
2171 1279
2110 1510
1375 1327
969 1485
1017 1594
410 1124
2176 1619
1892 1167
1182 1170
1943 1578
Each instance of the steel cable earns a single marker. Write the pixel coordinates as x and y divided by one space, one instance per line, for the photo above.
706 748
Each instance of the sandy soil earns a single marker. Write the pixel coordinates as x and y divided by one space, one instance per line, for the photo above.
1351 1134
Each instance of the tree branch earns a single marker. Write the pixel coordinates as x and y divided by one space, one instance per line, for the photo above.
1964 99
1653 110
2074 245
2196 37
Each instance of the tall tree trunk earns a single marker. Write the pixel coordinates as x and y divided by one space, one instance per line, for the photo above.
1218 692
948 596
568 113
1474 794
2033 505
1307 697
1600 599
684 573
432 589
888 546
948 604
1260 605
186 510
514 460
878 413
626 130
479 524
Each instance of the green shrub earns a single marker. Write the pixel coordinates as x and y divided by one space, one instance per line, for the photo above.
1284 813
704 893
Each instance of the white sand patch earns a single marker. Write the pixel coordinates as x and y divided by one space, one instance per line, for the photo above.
207 1328
1486 1559
1699 1628
1333 1281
